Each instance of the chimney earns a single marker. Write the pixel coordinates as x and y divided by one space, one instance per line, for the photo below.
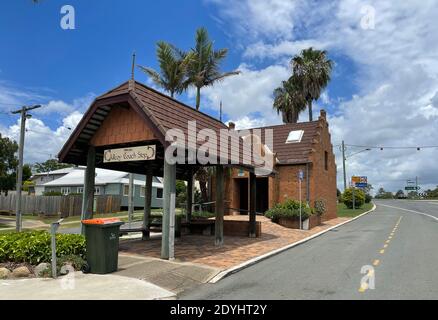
231 125
323 115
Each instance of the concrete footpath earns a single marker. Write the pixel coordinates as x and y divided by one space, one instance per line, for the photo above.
138 278
79 286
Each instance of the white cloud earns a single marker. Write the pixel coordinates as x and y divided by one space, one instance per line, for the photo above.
41 142
397 66
247 94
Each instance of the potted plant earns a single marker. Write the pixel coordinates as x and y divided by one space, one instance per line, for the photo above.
287 214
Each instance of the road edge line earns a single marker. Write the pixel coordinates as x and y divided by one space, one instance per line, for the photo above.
255 260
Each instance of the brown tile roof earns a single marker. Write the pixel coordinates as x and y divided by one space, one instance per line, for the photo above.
291 153
163 111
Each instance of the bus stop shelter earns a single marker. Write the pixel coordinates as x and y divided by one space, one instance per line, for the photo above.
125 129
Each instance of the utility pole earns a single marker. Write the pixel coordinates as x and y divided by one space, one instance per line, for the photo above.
24 115
220 112
343 165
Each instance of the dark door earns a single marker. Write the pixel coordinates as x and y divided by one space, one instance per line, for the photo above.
243 193
262 198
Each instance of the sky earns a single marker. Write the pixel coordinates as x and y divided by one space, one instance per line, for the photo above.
383 92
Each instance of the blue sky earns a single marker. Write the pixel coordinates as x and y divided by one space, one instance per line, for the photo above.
384 88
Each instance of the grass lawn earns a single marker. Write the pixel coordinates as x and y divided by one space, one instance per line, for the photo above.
73 222
343 211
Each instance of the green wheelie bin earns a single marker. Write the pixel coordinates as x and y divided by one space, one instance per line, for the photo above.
102 243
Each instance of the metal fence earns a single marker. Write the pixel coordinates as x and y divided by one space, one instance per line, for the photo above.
65 206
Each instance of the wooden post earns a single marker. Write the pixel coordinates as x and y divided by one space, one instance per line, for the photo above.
219 222
168 224
189 204
147 205
130 199
88 193
252 205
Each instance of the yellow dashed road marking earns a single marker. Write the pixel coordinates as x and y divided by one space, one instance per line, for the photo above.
376 262
382 251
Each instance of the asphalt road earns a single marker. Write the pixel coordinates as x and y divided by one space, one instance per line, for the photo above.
396 245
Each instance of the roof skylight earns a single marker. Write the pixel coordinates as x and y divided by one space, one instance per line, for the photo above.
295 136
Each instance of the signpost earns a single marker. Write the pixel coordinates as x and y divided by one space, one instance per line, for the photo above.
359 181
130 154
300 179
412 188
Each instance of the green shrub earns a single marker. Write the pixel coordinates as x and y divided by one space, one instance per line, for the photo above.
288 209
359 197
203 214
368 198
52 193
320 207
34 247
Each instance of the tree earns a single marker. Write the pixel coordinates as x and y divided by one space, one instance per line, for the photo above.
359 198
311 70
204 64
49 165
289 101
8 164
27 172
399 194
173 63
382 194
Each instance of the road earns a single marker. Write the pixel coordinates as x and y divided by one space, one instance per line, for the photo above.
396 244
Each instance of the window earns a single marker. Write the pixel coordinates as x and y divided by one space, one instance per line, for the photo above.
295 136
65 190
126 190
97 191
326 160
80 189
142 191
159 193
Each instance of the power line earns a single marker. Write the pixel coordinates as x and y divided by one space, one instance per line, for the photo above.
393 147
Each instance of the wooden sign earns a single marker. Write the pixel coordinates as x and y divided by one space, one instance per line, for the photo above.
129 154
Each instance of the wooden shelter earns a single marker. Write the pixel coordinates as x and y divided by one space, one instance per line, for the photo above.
134 115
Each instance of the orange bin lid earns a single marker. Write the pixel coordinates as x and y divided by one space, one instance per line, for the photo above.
101 221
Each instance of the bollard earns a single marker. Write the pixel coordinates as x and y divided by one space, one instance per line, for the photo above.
53 228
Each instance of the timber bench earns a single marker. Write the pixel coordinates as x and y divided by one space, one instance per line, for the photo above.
154 226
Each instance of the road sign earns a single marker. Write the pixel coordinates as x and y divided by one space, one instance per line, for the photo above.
414 188
359 181
301 175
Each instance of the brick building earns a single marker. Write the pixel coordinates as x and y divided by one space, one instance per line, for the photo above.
308 149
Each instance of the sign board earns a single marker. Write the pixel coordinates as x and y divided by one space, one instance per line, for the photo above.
414 188
301 175
129 154
359 181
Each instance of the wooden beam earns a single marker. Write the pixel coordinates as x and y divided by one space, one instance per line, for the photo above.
252 204
189 204
88 193
219 222
168 224
147 205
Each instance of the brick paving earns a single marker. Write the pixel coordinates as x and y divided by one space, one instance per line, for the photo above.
201 249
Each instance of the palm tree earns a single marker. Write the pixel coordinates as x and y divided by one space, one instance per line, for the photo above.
312 72
203 68
173 63
289 101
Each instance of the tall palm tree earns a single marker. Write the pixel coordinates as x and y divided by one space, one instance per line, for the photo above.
289 101
173 63
312 71
204 64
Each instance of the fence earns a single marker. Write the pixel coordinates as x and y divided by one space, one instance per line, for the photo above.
66 206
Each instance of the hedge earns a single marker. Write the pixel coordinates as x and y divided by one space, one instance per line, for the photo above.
34 247
359 198
288 209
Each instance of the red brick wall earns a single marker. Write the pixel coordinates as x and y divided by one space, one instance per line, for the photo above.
284 185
